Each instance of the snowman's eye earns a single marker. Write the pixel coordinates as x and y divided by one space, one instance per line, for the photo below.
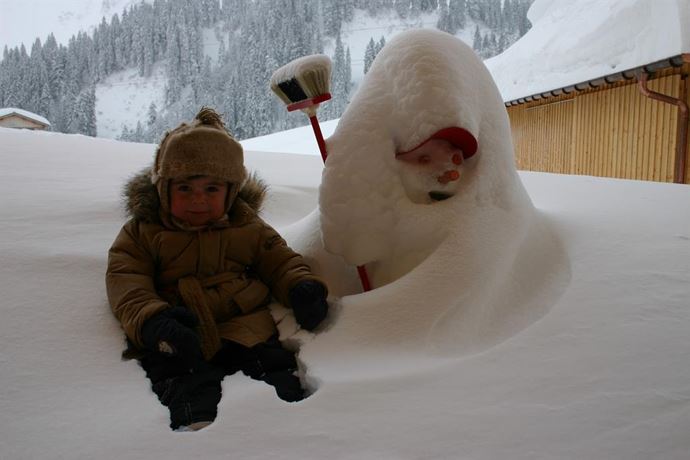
424 159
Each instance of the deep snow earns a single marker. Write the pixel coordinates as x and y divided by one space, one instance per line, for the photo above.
599 371
602 375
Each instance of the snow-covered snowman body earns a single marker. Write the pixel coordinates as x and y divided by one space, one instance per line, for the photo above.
457 266
375 208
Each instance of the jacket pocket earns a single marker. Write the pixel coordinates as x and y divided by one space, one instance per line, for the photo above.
254 295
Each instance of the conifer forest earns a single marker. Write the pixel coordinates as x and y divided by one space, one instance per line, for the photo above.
58 81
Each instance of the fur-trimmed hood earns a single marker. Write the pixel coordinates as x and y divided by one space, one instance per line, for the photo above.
142 203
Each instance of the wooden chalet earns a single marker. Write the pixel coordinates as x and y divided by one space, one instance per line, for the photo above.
631 124
23 119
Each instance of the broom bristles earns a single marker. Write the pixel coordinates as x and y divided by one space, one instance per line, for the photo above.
304 78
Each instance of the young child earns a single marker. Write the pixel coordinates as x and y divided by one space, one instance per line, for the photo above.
190 275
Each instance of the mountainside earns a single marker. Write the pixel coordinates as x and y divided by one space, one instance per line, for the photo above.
140 73
25 21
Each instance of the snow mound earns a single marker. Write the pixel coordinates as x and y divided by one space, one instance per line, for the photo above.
454 276
603 375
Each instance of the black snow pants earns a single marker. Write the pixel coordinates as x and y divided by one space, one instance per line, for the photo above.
193 395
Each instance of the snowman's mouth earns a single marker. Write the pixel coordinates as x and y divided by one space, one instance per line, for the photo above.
439 196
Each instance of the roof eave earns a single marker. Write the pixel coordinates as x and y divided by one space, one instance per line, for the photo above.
629 74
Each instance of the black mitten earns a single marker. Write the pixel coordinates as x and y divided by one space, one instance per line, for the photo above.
172 332
308 300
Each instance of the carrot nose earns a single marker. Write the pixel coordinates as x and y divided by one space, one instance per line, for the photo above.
449 176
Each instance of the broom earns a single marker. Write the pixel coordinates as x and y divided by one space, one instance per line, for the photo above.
303 84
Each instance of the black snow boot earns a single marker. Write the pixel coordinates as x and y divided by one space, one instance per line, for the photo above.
287 385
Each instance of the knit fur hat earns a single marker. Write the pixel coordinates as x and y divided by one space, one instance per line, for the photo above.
203 147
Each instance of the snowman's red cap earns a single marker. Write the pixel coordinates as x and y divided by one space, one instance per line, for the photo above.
459 137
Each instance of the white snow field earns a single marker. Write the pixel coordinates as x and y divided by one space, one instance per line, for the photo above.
529 316
602 375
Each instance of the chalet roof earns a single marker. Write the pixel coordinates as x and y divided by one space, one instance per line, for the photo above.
629 74
23 113
576 45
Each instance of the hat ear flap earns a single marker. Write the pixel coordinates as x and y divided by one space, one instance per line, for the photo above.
156 163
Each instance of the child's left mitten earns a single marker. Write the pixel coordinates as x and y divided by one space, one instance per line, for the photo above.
308 301
171 332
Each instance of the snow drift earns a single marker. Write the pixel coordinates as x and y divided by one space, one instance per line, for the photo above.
604 375
458 275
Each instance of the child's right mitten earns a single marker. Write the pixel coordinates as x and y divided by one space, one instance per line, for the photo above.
171 332
308 301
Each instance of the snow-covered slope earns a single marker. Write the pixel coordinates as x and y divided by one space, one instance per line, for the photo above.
24 21
603 375
363 27
124 98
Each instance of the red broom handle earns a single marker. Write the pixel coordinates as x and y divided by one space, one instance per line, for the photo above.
319 137
364 278
361 269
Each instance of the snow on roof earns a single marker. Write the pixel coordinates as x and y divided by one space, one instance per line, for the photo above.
24 113
572 42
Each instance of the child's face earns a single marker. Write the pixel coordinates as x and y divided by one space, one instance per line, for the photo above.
198 200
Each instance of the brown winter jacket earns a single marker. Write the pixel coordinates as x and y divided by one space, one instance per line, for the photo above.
227 272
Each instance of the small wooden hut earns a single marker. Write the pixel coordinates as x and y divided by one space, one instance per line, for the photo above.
17 118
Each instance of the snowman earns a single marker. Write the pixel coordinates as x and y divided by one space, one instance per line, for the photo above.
422 153
420 187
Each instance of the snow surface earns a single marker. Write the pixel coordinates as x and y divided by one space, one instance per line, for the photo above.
602 375
572 42
297 140
547 319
